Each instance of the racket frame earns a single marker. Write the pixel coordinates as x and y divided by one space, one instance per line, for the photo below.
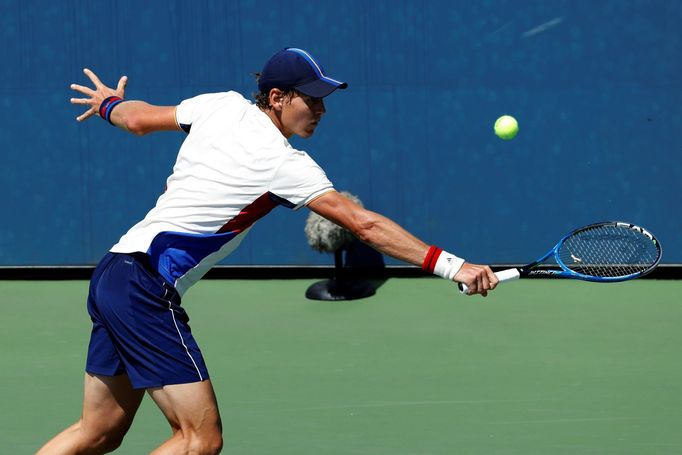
565 272
530 270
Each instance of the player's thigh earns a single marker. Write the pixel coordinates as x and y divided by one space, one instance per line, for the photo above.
109 404
189 407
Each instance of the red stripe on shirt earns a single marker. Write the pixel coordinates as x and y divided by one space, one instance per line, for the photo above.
249 215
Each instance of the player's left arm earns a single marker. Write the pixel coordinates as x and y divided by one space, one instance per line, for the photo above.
137 117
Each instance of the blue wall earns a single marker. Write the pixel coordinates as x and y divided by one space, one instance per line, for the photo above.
595 85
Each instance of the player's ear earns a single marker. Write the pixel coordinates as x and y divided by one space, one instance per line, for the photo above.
276 98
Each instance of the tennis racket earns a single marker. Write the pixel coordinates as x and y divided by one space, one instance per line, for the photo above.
602 252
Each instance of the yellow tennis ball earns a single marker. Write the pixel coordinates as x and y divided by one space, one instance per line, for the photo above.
506 127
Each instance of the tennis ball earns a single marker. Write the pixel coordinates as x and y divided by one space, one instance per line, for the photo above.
506 127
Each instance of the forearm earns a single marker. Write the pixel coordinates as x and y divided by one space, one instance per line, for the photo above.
378 231
139 117
388 237
123 114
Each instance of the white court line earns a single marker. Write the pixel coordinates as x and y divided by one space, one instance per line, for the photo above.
390 404
585 419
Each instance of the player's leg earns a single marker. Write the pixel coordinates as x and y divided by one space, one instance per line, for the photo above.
192 411
109 405
150 330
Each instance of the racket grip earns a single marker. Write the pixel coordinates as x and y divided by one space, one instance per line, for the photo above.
502 275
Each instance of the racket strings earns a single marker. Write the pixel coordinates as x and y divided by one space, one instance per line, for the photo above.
609 251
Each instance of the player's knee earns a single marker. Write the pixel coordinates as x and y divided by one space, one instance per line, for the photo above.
103 440
206 442
110 443
214 445
205 445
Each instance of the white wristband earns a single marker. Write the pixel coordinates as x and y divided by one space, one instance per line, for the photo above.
448 265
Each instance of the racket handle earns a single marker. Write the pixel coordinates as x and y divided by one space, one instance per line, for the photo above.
502 275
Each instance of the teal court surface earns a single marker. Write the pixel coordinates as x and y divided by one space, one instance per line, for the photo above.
538 367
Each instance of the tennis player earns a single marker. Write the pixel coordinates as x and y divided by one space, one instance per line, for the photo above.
234 166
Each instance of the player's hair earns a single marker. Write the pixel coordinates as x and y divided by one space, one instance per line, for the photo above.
263 98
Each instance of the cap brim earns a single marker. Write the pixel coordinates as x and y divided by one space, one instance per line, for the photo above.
320 88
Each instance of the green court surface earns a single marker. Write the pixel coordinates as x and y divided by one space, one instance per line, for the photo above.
539 367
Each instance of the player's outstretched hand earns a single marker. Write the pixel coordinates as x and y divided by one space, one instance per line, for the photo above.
96 96
479 278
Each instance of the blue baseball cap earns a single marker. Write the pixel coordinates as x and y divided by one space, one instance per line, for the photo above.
297 69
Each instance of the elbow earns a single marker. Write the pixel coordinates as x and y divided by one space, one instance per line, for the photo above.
364 229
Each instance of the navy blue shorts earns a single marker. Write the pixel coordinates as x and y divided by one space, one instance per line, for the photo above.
139 327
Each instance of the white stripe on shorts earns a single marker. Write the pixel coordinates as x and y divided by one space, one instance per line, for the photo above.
182 340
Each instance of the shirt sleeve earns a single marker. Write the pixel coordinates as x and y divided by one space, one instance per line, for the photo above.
299 180
190 110
185 113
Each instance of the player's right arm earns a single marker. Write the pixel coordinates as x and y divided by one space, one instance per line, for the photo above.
137 117
387 237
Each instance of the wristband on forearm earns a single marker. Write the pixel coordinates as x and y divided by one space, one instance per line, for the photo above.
442 263
107 106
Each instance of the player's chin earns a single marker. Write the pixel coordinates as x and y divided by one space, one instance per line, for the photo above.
308 132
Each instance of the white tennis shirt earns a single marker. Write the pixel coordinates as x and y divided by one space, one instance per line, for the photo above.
233 168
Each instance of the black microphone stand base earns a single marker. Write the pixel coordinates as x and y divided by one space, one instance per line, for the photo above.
340 289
